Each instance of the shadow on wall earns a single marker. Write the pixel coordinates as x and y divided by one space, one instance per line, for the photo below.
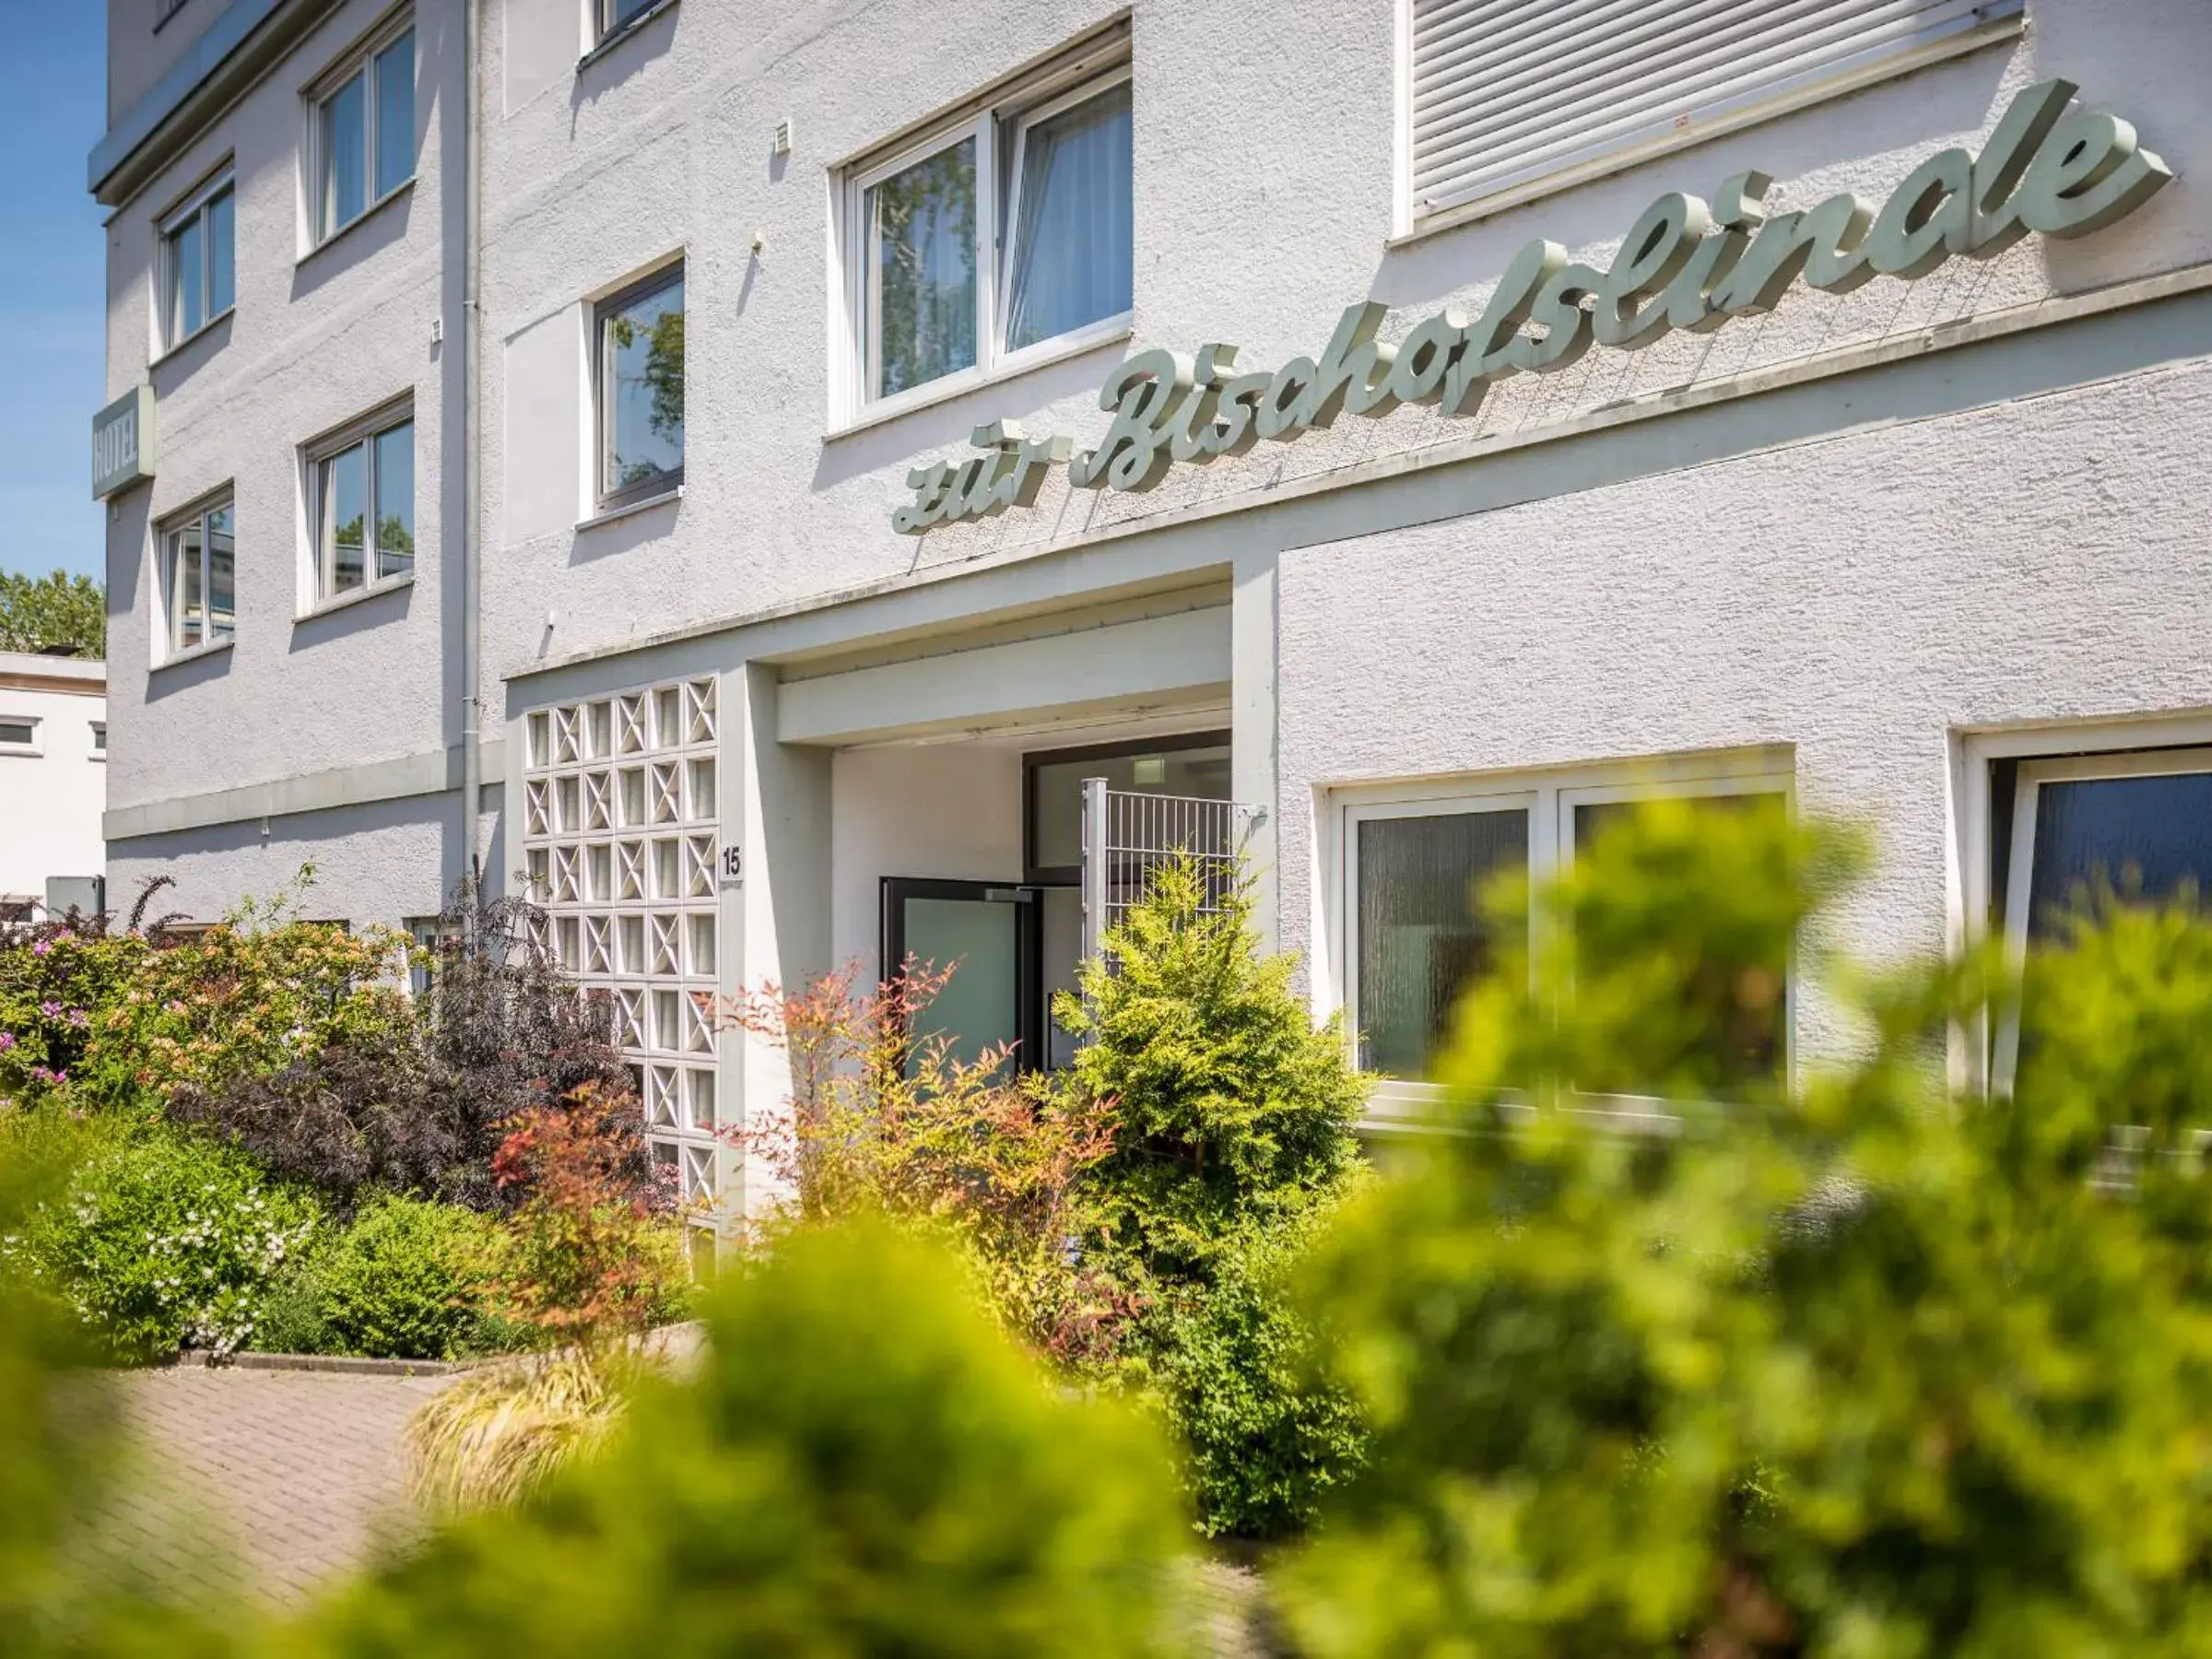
645 38
381 227
627 534
381 605
167 679
943 427
173 373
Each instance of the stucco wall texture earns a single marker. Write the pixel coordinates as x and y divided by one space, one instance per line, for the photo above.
1858 598
1263 203
1855 596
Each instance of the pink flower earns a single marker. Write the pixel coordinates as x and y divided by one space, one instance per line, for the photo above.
79 1019
7 1040
51 1010
41 947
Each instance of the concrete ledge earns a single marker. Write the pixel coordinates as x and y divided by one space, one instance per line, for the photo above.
434 771
1161 659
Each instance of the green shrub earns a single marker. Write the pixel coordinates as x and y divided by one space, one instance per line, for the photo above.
70 1586
864 1465
1231 1107
1232 1132
1267 1437
161 1239
1844 1369
409 1280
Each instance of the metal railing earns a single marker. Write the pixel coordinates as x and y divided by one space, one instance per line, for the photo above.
1127 836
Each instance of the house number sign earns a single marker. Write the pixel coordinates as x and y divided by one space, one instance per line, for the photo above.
1683 265
730 864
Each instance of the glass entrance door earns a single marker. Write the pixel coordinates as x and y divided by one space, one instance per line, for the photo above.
988 933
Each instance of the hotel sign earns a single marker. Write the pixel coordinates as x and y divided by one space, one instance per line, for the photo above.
123 442
1683 265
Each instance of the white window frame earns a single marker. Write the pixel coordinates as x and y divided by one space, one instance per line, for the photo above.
1999 20
317 592
222 182
1975 1048
1003 116
1549 798
170 612
2019 874
357 60
651 280
100 730
29 749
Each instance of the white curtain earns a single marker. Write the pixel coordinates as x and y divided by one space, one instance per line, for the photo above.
1073 244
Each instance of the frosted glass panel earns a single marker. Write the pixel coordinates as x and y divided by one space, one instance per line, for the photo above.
979 1006
1420 940
2144 836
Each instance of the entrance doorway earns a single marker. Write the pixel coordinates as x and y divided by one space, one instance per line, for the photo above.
1018 943
988 935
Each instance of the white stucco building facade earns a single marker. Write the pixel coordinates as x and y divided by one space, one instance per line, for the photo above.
54 752
1913 526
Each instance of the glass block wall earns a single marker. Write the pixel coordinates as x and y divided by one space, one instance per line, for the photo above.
619 839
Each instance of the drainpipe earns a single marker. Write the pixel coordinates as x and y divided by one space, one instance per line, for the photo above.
472 576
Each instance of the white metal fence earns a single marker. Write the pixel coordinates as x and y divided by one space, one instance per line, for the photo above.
1127 835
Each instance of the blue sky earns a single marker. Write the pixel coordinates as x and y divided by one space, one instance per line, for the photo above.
53 108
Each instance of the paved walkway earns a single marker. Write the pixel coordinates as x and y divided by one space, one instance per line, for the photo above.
290 1476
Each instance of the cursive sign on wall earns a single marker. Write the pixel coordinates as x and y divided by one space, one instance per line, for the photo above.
1684 263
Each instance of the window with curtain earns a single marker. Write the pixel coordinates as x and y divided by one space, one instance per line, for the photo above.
365 507
1071 246
198 262
364 136
1007 232
199 576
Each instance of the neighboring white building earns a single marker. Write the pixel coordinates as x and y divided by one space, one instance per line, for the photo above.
1898 508
54 780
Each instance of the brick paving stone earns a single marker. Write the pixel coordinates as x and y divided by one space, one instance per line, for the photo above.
291 1477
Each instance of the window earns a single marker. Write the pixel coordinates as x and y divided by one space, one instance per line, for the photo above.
641 388
2134 824
1004 234
1415 863
614 15
18 735
100 740
1505 97
364 133
364 506
197 262
199 576
429 939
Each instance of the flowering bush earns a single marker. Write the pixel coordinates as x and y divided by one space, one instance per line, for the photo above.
161 1239
54 982
232 1003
